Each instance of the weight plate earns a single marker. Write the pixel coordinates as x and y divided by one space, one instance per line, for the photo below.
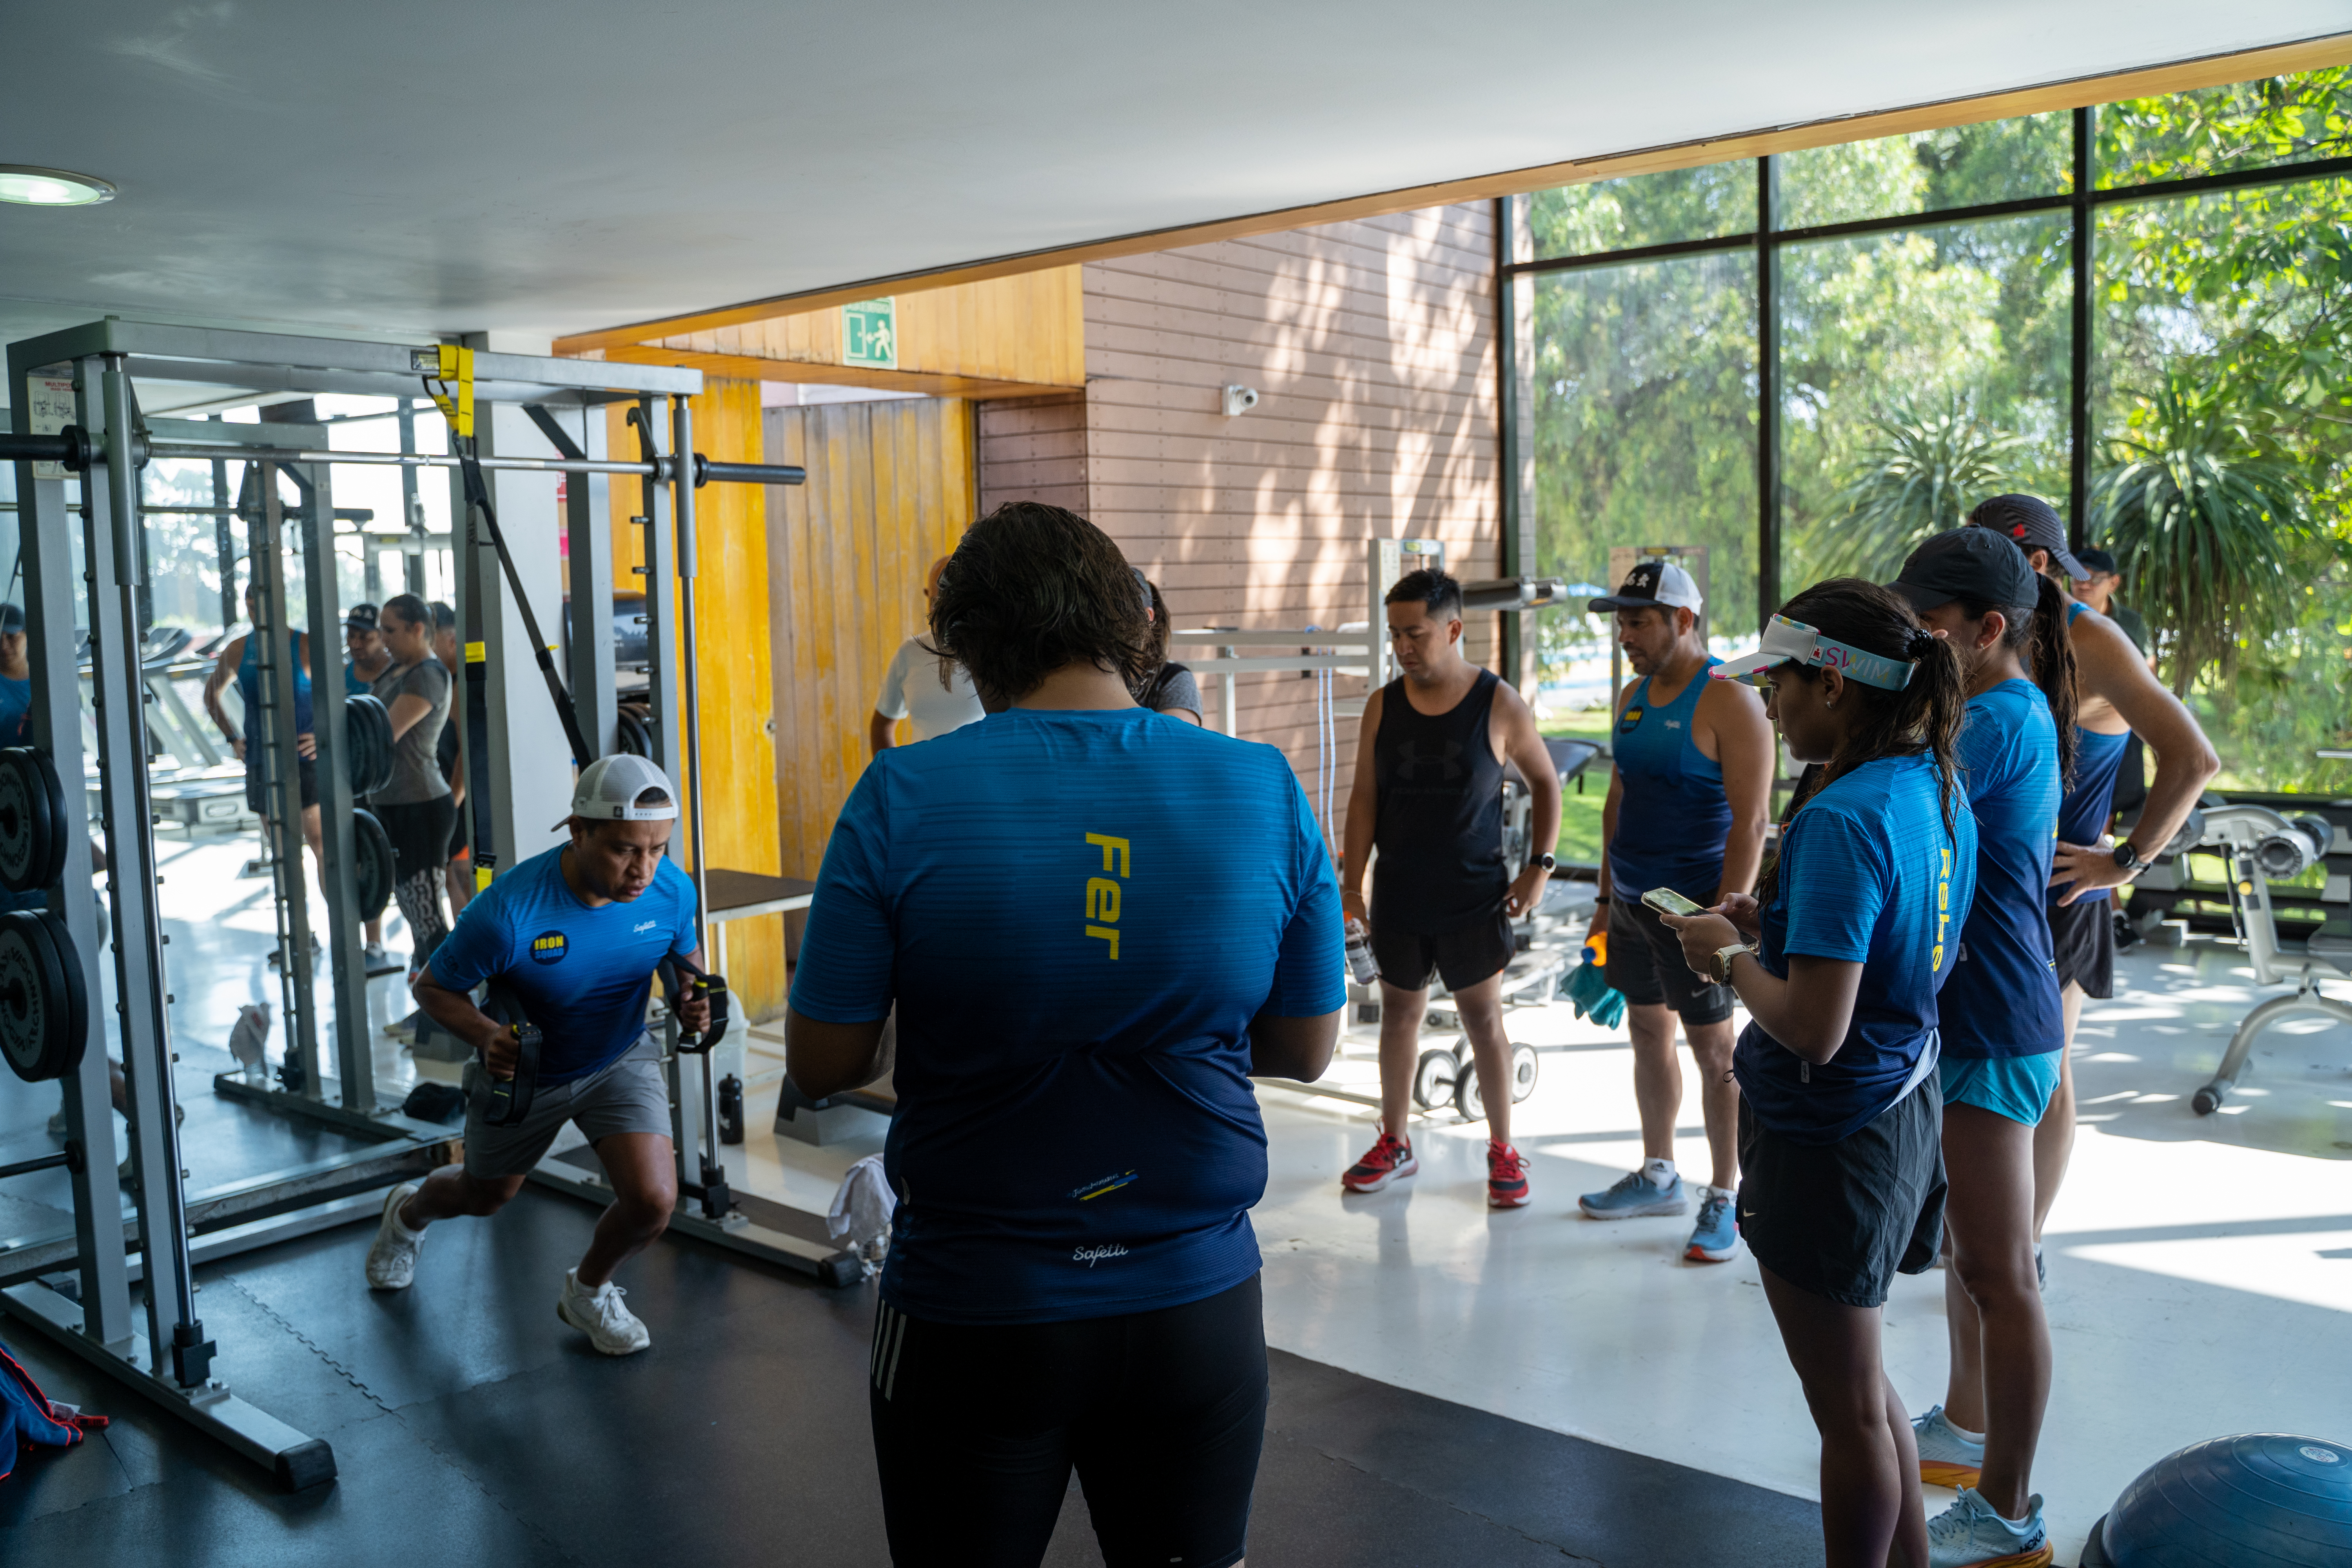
375 872
1433 1078
60 827
26 821
44 1011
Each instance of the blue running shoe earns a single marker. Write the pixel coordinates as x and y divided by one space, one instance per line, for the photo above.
1715 1237
1635 1194
1946 1458
1969 1534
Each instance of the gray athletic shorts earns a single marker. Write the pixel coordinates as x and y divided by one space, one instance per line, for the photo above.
630 1096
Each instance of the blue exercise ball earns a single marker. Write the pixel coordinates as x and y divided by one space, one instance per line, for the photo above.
2260 1501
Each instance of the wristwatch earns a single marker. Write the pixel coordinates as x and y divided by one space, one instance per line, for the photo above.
2129 858
1548 860
1724 959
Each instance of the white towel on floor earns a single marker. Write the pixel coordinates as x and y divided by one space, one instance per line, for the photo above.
861 1210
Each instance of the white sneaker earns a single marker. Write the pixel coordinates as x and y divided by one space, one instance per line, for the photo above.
1969 1534
610 1326
392 1258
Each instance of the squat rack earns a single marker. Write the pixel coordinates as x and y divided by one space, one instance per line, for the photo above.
104 444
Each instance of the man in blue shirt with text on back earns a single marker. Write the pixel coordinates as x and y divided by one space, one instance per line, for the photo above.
1096 926
574 935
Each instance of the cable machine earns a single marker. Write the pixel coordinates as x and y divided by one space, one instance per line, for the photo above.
50 957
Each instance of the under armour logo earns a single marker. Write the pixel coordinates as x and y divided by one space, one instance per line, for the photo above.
1413 756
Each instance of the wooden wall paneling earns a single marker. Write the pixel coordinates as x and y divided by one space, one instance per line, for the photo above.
889 489
1370 344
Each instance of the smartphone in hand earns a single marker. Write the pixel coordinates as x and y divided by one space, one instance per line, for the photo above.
1666 901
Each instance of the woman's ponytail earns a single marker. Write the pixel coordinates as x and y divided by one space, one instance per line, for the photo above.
2053 671
1938 696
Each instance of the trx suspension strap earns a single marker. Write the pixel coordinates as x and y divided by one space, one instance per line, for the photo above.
456 368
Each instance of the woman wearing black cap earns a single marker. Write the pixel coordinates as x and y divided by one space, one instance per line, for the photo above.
2119 697
1842 1181
2002 1031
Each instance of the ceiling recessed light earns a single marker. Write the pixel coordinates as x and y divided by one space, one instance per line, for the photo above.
34 187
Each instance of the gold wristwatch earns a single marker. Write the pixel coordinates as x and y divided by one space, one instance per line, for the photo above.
1724 957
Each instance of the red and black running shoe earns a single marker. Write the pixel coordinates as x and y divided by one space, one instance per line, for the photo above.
1506 1176
1390 1160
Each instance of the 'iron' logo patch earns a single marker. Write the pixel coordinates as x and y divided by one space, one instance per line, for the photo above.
549 948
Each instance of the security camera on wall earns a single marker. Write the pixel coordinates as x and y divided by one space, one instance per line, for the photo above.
1240 400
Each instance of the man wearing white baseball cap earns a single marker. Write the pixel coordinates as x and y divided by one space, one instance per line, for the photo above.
1688 803
574 935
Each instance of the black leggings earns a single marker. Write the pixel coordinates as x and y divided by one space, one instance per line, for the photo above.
419 831
975 1430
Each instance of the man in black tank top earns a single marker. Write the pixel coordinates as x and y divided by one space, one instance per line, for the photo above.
1429 797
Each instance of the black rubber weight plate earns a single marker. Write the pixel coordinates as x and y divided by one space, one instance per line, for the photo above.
32 809
372 849
44 1012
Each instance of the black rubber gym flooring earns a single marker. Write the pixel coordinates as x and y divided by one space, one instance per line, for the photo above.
470 1426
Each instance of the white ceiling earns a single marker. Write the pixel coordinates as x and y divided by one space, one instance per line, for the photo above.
543 167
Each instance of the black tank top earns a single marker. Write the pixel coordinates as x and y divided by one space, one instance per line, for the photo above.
1440 830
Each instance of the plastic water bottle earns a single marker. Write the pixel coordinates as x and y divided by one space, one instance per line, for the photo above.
1360 954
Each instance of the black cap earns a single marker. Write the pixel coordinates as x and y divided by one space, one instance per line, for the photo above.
361 619
2100 561
12 620
1973 563
2033 523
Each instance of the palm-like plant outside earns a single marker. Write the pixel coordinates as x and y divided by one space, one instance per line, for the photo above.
1919 476
2203 521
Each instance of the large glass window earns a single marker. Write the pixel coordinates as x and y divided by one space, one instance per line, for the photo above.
1928 171
1920 371
1924 357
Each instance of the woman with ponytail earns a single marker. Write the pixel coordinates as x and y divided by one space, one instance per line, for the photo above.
1841 1175
2003 1031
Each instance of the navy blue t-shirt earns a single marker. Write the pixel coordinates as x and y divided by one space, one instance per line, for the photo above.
1867 873
1077 914
2002 998
583 975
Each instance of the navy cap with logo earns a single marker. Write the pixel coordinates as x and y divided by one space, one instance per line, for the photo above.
362 618
2033 523
1648 586
1974 563
2102 562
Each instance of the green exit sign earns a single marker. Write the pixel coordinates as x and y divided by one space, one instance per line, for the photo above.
869 335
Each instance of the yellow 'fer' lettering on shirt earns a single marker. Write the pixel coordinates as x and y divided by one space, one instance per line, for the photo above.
1110 847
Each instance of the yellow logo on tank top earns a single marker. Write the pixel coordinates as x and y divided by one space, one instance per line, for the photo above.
1632 717
1105 897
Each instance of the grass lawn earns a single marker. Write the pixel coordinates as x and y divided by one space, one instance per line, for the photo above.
1579 814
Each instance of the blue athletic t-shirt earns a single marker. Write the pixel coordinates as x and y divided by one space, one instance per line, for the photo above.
583 975
16 712
2002 998
1866 873
1077 914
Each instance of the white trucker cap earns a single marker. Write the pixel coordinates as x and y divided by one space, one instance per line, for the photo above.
609 787
1649 585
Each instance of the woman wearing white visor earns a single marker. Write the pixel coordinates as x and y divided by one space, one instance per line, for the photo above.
1838 961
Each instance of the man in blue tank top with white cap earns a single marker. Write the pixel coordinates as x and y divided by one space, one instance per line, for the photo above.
1688 803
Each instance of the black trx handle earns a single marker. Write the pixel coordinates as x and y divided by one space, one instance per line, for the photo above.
677 976
510 1097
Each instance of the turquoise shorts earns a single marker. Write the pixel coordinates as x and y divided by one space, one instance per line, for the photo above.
2016 1086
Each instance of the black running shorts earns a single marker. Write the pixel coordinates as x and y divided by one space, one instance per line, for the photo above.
1463 956
1843 1219
2083 940
306 776
1647 968
976 1429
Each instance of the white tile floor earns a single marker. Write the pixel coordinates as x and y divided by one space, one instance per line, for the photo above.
2200 1268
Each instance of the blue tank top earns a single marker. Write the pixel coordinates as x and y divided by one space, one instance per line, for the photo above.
354 683
2002 998
2090 801
248 681
1671 815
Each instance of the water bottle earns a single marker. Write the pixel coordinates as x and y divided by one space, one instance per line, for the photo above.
1359 956
730 1110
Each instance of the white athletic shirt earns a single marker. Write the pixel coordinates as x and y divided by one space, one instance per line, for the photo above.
912 689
